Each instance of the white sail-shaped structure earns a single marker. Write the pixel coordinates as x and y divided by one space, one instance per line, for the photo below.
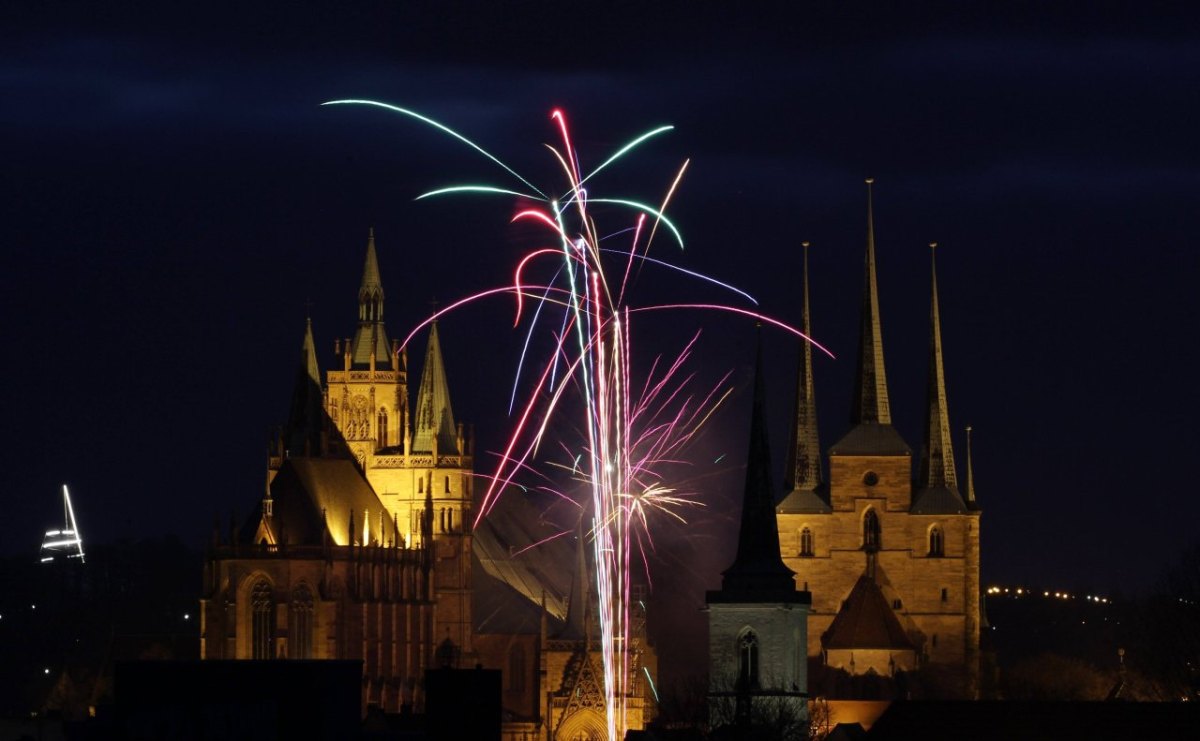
67 542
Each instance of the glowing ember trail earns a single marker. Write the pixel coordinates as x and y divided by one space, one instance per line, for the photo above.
629 434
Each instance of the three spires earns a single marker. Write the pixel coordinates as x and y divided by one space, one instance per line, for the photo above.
872 433
370 347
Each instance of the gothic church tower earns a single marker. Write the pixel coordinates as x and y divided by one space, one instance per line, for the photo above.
892 564
757 620
420 472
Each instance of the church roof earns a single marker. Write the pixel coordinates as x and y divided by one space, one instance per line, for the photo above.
871 439
435 418
504 544
937 500
312 495
805 501
866 621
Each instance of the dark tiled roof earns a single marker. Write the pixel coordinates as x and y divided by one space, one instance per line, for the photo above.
866 621
805 501
938 500
871 439
504 546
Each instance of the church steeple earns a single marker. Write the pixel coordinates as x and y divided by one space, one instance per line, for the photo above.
871 403
435 418
758 568
577 602
871 416
371 338
937 480
302 435
804 458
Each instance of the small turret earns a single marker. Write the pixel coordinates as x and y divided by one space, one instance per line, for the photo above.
435 429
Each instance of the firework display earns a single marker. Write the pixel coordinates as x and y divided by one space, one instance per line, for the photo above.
630 431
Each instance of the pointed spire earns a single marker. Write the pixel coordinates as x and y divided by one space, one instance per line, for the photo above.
871 404
435 418
371 338
804 458
970 474
370 279
302 434
806 468
577 601
937 481
758 568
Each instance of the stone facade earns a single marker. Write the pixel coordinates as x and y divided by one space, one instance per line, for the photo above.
362 548
916 537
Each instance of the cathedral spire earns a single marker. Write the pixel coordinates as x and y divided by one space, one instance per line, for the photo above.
804 457
970 474
435 419
871 404
370 341
758 568
302 434
937 480
577 601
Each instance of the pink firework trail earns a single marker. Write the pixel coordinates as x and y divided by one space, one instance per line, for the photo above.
630 435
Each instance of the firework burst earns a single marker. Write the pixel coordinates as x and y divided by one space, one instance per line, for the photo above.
630 434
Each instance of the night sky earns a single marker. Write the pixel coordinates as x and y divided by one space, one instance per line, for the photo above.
173 198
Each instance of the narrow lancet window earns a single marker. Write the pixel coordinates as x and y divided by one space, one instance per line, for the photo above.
806 543
748 660
871 539
262 622
936 542
300 623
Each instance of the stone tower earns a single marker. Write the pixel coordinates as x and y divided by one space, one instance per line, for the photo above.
419 472
892 564
757 620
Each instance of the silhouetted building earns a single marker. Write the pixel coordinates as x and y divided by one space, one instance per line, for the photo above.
757 620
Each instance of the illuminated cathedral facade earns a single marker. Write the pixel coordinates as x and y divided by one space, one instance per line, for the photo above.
362 547
891 560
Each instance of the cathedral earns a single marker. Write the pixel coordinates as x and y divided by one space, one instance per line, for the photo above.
362 546
891 563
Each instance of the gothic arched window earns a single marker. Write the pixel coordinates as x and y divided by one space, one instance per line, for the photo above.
300 623
748 660
871 539
262 621
936 541
383 428
806 543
